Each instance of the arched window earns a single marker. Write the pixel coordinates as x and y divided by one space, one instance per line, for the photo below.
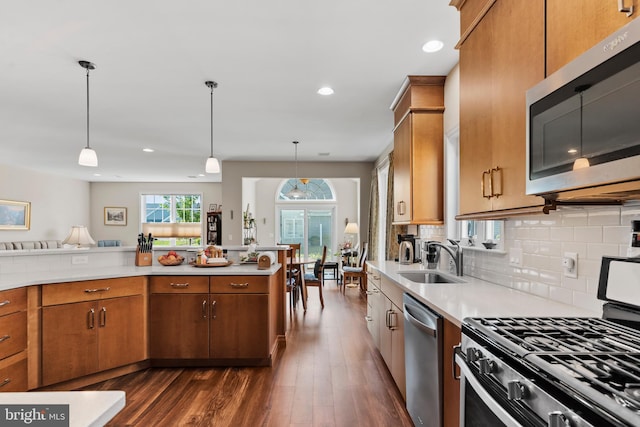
313 189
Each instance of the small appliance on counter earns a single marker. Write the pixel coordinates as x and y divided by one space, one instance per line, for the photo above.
409 251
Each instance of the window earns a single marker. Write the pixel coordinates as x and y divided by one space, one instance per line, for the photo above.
174 219
473 233
314 189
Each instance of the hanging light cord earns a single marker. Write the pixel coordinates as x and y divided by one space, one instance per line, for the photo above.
211 120
296 145
88 146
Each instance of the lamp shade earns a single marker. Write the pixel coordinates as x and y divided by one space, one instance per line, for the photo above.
79 235
88 157
351 228
172 229
212 166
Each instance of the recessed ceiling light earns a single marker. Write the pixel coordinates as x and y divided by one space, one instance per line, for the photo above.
201 174
97 174
432 46
148 150
324 154
325 91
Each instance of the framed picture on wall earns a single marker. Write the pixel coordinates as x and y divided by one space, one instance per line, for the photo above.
115 216
15 215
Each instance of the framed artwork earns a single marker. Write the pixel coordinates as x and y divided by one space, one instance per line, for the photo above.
15 215
115 216
213 207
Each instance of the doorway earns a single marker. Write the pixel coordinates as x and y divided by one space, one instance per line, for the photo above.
312 226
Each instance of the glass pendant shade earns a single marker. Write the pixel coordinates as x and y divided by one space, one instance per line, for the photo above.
213 165
296 193
88 157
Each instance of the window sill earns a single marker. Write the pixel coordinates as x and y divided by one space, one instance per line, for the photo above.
483 249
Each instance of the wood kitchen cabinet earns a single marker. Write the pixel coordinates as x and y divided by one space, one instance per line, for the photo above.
386 325
500 58
92 326
418 178
574 26
211 320
13 340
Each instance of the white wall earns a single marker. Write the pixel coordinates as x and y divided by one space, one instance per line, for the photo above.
57 203
127 194
234 172
346 191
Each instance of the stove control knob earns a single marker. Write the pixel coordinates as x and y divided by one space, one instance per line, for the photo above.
558 419
473 354
486 366
515 390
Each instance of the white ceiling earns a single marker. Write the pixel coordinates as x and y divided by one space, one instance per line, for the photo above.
153 57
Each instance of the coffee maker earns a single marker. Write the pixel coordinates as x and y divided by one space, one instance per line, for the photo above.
409 256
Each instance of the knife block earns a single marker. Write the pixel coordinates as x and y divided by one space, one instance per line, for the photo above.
143 259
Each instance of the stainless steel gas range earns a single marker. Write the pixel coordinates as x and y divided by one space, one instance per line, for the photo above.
557 371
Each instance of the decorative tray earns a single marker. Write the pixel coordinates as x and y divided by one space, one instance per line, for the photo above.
213 265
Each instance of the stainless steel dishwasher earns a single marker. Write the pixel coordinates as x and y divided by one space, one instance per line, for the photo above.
423 362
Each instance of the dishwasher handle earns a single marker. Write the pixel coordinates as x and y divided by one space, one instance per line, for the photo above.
415 322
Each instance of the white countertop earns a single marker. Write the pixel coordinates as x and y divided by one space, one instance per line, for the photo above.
475 298
86 408
17 280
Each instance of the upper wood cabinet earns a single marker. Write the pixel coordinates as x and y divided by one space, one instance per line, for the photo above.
418 178
501 56
574 26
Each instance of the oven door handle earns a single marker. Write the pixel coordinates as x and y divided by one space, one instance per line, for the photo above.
486 398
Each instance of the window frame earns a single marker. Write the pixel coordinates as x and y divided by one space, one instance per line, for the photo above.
181 242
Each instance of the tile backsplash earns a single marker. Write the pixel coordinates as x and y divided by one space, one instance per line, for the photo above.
542 240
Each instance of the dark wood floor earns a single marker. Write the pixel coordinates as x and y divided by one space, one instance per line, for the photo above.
330 374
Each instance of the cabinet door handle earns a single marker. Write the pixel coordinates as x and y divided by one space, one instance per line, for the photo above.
91 318
91 291
239 285
491 175
5 302
179 285
482 186
5 382
4 338
621 8
393 320
213 310
103 317
204 309
402 207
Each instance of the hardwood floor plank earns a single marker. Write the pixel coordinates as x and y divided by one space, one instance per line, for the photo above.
329 374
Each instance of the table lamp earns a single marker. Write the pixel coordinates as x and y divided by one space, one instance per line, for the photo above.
79 235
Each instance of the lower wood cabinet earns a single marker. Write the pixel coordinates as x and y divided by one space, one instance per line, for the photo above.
13 340
386 324
211 320
85 337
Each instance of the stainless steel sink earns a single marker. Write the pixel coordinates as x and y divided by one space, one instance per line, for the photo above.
429 277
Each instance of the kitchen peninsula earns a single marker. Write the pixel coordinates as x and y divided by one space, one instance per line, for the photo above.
98 303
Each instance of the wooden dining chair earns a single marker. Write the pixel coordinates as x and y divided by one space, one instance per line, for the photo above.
316 277
359 272
294 275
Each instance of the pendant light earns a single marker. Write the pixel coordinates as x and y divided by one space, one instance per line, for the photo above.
213 165
581 162
296 193
88 156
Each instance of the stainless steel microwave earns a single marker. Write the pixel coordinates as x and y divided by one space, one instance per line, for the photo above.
588 110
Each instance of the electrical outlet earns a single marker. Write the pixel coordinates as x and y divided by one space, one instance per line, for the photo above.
80 259
570 264
515 257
